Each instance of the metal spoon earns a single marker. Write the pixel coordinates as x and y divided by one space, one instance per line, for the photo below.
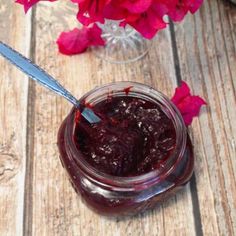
39 75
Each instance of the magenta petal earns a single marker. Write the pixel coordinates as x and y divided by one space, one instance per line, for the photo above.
155 21
91 11
78 40
136 6
73 42
95 38
29 3
181 92
188 119
144 29
188 105
178 14
195 5
160 9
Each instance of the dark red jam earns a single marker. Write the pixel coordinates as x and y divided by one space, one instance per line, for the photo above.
134 137
138 156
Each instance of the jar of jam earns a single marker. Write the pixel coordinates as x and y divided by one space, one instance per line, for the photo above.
136 157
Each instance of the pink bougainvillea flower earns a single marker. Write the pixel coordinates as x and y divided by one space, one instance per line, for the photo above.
146 16
73 42
194 5
188 105
95 36
112 11
148 23
29 3
91 11
182 7
78 40
136 6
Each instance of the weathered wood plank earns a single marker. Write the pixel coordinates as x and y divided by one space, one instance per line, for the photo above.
206 44
14 30
57 210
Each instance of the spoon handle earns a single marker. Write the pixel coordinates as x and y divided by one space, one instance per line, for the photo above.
39 75
35 72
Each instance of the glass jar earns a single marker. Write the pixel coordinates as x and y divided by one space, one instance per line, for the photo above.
123 44
115 196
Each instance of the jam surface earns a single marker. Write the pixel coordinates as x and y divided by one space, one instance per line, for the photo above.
134 137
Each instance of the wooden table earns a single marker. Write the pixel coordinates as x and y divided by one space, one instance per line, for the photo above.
36 197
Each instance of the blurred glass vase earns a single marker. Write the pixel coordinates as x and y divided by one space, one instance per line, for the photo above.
123 44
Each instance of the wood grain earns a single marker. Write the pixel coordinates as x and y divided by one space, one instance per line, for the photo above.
15 30
206 44
36 197
57 210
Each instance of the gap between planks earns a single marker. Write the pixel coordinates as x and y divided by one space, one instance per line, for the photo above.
193 187
28 199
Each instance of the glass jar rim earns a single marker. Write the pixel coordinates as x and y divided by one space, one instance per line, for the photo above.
147 178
